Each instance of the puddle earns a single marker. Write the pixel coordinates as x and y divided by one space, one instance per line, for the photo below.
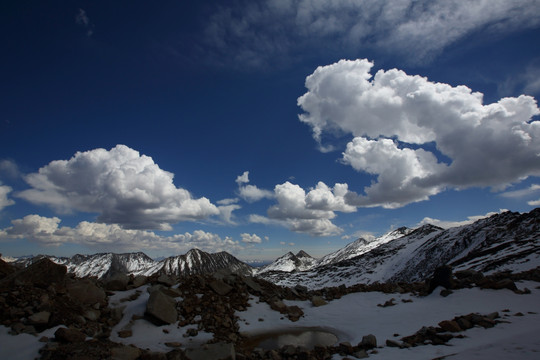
305 337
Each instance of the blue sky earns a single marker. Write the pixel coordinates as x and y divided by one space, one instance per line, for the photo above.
260 127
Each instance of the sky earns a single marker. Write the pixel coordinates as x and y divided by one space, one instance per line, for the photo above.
261 127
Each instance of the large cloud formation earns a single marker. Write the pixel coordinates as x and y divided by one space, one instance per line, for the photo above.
259 33
48 232
419 137
122 186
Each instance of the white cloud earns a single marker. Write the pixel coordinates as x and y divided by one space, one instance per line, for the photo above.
309 212
121 185
514 194
534 202
83 20
9 168
4 200
226 213
257 34
250 238
104 237
445 224
487 145
227 201
251 193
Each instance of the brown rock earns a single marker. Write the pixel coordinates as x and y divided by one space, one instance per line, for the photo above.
42 273
125 333
69 335
125 353
368 342
40 318
318 301
117 282
450 325
220 287
294 313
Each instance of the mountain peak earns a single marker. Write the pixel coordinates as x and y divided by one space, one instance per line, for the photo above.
303 254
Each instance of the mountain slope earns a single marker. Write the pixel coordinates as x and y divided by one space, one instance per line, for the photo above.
507 241
196 261
290 262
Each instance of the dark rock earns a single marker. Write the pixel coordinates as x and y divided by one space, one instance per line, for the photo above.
86 292
217 351
345 348
166 280
161 308
504 284
125 353
67 335
117 282
220 287
368 342
294 313
42 273
450 325
442 276
40 318
446 292
318 301
392 343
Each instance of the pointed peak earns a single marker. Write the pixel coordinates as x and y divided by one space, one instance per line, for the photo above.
302 254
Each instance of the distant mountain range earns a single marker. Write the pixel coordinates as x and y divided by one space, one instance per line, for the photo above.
507 241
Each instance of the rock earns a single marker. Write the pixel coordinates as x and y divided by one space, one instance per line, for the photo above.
220 287
294 313
86 292
139 280
42 273
117 282
161 308
361 354
125 353
252 284
166 280
368 342
125 333
173 344
464 323
493 315
345 348
442 276
318 301
446 292
217 351
279 305
393 343
66 335
450 325
92 315
504 284
40 318
301 289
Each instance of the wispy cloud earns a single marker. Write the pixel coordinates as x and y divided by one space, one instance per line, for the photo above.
83 20
259 33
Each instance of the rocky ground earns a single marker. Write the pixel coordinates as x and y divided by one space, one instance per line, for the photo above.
43 296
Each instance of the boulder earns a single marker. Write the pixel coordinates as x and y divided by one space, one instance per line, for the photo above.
66 335
42 273
318 301
251 284
220 287
161 308
217 351
294 313
442 276
86 292
166 280
368 342
450 325
40 318
117 282
139 280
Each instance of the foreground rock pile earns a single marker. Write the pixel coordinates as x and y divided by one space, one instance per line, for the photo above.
43 296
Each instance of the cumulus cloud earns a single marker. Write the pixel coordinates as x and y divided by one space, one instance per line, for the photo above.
307 212
4 200
120 185
418 137
251 193
446 224
250 238
48 232
257 33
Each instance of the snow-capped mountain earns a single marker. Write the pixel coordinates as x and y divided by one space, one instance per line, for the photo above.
196 261
104 265
507 241
290 262
362 246
100 265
